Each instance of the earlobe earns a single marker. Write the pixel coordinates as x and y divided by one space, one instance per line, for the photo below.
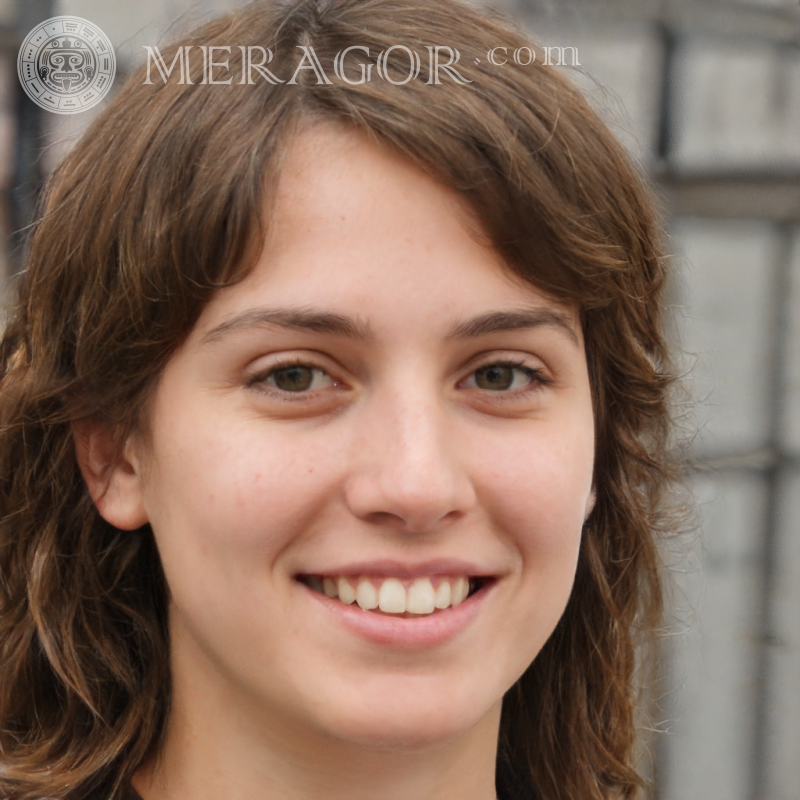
113 478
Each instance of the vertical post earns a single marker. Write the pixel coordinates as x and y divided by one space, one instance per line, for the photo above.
665 135
768 637
28 176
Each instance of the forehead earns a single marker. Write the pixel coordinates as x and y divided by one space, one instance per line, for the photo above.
335 179
357 229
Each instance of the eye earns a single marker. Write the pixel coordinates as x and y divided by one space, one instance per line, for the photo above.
292 378
298 378
504 376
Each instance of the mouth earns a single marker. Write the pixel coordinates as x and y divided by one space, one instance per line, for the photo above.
421 597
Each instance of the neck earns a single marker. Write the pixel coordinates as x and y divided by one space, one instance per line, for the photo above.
221 746
196 766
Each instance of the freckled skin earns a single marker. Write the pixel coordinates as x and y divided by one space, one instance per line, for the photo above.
398 454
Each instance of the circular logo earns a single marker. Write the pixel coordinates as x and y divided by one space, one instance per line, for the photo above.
66 65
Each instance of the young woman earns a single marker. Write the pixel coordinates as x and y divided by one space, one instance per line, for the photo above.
333 427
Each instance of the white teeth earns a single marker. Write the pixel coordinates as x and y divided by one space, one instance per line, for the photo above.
347 594
442 597
420 597
459 591
366 595
392 596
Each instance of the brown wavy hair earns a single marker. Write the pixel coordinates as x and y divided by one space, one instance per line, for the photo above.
156 208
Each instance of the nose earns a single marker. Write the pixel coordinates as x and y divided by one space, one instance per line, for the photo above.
408 473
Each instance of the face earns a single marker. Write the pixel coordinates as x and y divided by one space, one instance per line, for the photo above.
378 411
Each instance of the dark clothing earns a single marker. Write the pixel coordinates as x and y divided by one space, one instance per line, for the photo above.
511 786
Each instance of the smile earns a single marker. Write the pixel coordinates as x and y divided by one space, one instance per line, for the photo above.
388 595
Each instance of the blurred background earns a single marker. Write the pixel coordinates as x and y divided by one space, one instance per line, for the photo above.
706 95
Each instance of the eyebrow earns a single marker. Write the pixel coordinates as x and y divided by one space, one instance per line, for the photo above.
317 321
302 319
499 321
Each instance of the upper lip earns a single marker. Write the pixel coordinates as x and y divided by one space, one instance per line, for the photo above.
391 568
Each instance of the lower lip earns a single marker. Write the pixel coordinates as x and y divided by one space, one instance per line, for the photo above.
405 632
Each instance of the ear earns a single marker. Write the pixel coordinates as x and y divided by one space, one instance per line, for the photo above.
114 479
590 502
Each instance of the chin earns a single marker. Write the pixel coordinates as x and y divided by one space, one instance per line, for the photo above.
414 727
403 738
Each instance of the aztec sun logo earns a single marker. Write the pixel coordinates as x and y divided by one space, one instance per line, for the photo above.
66 65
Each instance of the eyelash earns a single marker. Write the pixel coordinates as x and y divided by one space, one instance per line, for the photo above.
258 381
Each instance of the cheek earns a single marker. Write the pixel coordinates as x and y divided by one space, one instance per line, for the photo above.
538 491
536 498
240 492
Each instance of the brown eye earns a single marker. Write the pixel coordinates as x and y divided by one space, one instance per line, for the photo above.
501 377
495 377
298 378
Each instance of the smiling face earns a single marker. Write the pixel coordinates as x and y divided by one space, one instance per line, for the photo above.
377 410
